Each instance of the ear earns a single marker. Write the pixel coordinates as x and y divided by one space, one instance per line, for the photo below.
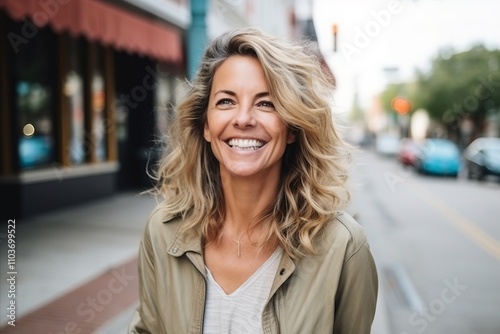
206 133
291 137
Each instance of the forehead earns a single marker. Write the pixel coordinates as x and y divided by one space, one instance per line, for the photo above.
237 71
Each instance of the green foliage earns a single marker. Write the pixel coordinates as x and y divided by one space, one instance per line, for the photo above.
388 94
465 84
458 85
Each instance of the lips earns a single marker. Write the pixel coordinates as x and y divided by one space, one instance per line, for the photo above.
245 144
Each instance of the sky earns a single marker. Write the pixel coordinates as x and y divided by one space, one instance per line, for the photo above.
384 41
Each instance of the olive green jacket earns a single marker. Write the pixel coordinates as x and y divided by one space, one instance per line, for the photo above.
334 291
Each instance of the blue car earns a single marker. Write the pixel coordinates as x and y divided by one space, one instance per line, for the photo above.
439 156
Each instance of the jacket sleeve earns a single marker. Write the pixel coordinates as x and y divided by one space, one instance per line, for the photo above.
145 317
356 297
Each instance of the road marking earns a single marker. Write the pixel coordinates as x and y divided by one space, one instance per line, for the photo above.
486 242
399 279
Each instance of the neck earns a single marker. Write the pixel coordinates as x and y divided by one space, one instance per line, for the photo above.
245 201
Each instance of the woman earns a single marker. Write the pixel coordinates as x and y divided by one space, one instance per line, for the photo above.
250 237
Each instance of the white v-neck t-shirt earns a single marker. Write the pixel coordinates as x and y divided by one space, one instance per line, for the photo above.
241 311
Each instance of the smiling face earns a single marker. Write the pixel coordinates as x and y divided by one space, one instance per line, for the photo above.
246 134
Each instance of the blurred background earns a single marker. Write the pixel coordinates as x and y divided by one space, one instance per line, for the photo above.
88 88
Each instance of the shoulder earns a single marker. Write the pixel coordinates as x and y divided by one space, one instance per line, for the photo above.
343 229
355 231
160 225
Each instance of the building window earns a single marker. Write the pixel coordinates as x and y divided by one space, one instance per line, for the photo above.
73 93
98 100
164 103
34 95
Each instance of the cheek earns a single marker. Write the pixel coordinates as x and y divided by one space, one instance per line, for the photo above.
280 129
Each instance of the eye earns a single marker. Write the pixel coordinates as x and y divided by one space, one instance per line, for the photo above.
224 102
266 104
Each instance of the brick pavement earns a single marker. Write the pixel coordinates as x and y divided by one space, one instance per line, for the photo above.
86 308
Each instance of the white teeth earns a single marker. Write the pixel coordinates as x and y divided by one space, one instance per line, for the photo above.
245 143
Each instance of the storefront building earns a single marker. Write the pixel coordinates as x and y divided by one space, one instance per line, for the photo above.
86 88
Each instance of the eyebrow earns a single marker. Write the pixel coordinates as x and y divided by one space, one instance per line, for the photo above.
230 92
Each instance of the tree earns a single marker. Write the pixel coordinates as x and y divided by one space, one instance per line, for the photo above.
464 85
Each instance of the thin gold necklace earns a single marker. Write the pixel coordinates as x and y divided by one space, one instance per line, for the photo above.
238 241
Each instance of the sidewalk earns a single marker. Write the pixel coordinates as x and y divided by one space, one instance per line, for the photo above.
76 269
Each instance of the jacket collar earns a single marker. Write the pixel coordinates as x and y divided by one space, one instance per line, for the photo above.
189 243
184 241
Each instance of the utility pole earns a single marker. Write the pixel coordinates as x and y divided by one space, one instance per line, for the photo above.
197 35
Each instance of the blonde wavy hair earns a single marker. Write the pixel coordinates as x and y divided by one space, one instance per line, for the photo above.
314 168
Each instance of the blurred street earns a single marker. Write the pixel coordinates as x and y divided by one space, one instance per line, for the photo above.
437 246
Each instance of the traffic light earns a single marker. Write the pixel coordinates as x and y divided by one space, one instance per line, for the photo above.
401 105
335 29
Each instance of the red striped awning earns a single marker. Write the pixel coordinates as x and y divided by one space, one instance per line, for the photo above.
102 22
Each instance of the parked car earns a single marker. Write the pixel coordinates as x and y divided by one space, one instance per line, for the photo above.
387 145
439 156
482 158
408 152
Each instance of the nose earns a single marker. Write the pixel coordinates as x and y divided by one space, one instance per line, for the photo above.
244 116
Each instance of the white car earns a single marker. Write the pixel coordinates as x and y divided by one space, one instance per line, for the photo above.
387 145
